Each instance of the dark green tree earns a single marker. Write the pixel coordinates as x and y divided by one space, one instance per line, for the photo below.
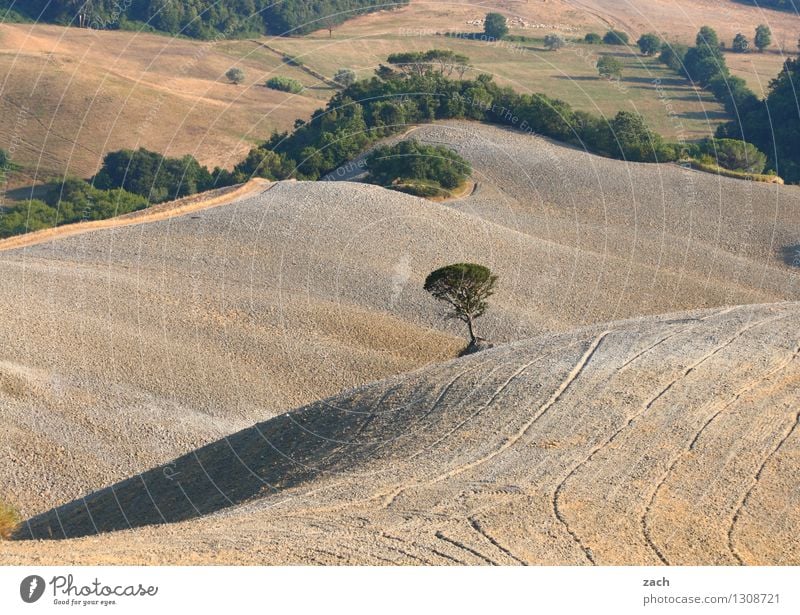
734 155
649 44
763 38
411 160
466 288
616 37
495 26
593 38
740 43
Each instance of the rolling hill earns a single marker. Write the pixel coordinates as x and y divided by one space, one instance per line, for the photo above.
150 342
655 441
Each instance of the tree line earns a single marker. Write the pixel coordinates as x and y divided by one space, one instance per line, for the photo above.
772 125
203 19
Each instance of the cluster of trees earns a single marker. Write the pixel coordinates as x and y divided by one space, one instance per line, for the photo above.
418 168
418 63
372 109
612 37
203 19
705 64
73 201
762 40
731 154
773 124
127 181
153 176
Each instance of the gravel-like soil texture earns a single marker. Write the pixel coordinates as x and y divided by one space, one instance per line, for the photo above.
125 348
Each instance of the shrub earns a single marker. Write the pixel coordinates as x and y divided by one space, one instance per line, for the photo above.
609 67
649 44
235 75
285 84
734 155
554 42
412 160
345 77
593 38
9 520
5 160
495 26
615 37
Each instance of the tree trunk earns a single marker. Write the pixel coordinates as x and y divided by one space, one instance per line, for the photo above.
472 339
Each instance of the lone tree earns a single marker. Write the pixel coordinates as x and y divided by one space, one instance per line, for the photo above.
649 44
763 38
495 26
554 42
235 75
740 43
609 67
466 287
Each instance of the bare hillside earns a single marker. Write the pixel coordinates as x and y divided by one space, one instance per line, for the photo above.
653 441
129 346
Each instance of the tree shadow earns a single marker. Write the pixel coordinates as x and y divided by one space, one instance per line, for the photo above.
256 462
790 255
705 115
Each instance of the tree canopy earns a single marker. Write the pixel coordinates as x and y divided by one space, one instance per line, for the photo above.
205 19
495 26
609 66
649 44
152 175
763 37
616 37
412 160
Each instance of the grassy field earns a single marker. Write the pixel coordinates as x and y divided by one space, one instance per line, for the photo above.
69 96
670 104
758 69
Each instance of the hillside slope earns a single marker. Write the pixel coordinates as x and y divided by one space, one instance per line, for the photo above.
671 440
185 329
70 95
